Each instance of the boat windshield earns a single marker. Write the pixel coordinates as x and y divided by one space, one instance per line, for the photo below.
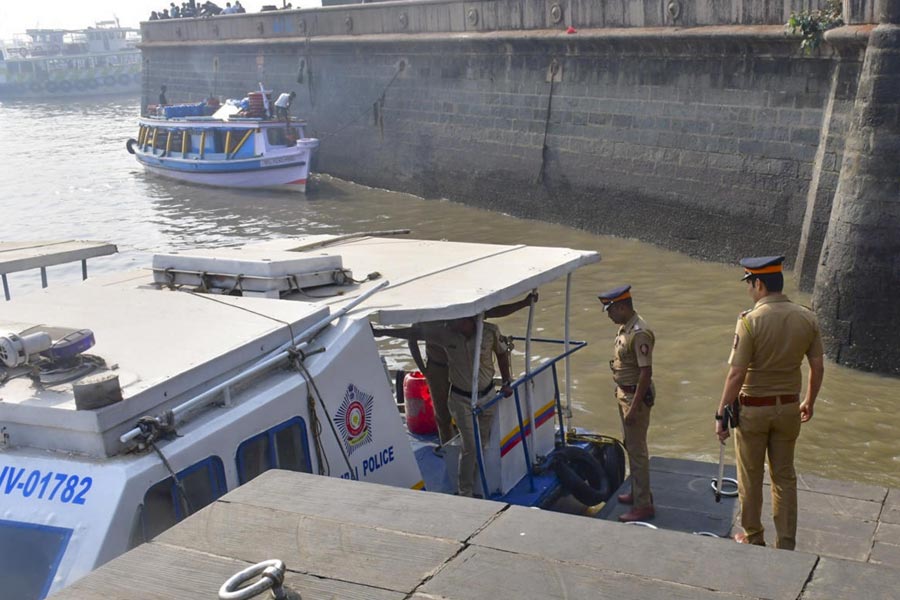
31 554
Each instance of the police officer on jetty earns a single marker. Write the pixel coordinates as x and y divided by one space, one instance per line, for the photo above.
632 371
770 341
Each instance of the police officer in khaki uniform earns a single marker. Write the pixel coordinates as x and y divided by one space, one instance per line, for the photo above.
770 341
632 371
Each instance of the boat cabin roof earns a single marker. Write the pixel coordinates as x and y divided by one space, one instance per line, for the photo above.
436 280
217 123
161 344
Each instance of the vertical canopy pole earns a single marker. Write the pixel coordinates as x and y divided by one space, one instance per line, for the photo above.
529 383
83 268
566 350
5 286
476 364
43 277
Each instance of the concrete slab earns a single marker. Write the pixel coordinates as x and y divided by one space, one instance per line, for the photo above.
333 549
515 576
885 554
157 571
660 555
891 511
835 578
366 504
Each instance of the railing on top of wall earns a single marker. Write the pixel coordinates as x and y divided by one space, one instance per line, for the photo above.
461 16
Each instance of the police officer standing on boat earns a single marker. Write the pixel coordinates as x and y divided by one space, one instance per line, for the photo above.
632 371
770 341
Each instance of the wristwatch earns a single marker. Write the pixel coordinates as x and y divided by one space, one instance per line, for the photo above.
719 417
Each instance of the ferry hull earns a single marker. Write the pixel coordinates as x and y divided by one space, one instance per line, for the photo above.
290 179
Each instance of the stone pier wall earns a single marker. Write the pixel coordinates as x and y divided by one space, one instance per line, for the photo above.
697 125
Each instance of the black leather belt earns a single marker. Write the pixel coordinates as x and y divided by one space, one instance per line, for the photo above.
768 400
468 394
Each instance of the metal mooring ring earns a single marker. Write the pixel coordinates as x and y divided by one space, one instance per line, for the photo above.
404 20
706 534
472 16
674 9
269 572
556 13
729 494
642 524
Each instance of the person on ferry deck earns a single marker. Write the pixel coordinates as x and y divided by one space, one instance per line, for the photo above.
283 105
435 366
162 96
154 16
632 368
770 341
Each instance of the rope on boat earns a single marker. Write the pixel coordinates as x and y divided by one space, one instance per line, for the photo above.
297 362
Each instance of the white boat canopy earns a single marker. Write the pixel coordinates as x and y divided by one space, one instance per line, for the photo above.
446 280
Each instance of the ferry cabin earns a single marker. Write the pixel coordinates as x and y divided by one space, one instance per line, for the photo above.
207 141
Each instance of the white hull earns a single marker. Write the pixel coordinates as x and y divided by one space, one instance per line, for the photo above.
291 179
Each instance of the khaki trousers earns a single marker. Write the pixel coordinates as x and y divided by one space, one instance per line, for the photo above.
636 444
461 409
768 431
438 378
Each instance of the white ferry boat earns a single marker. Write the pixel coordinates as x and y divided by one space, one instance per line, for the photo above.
131 401
51 63
228 151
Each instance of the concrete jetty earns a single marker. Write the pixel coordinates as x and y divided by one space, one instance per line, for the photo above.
345 539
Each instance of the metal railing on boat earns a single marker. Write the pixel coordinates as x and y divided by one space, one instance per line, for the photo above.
24 256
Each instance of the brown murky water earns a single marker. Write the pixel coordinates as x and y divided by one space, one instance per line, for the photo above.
64 173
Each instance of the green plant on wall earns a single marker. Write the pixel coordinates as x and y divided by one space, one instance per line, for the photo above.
812 24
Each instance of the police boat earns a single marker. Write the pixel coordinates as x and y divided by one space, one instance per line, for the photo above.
130 401
225 146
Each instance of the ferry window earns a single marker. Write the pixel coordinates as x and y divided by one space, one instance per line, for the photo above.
31 554
12 68
165 503
285 446
279 136
27 67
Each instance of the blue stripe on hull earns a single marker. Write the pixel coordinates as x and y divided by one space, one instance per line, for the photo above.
200 166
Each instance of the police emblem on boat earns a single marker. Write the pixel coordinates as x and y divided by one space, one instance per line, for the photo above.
353 419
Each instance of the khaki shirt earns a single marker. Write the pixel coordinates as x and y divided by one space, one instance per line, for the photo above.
633 350
771 340
461 353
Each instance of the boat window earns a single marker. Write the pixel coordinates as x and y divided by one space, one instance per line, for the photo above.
285 446
31 553
27 67
282 136
166 503
12 67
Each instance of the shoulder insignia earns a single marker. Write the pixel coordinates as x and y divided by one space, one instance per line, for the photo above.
645 349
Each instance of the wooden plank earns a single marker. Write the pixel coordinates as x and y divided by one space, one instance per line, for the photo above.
657 554
334 549
516 576
835 578
160 572
368 504
22 256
